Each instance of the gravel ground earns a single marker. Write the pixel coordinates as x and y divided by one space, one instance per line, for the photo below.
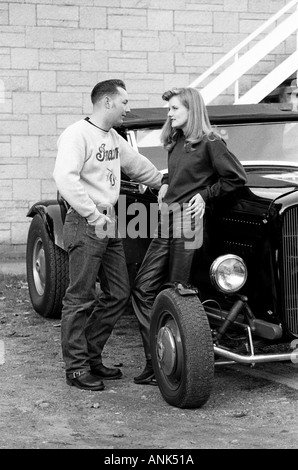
39 411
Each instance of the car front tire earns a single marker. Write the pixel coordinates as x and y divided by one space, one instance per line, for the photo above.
47 270
182 349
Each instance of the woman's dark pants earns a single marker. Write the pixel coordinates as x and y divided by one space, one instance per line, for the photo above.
168 259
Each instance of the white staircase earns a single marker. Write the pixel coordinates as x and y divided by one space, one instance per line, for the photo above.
286 27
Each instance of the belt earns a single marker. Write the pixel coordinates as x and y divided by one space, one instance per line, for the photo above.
103 209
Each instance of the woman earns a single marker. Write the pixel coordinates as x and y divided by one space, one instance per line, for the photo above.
201 169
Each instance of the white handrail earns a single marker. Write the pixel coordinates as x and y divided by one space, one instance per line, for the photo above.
250 58
244 43
273 80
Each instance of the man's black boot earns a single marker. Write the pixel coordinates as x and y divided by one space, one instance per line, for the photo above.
85 381
106 373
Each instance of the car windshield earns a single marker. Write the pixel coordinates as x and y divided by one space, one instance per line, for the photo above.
266 148
263 142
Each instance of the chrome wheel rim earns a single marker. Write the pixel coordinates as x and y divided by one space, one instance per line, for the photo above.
169 350
39 266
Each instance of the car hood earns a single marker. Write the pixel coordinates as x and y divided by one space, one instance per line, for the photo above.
271 188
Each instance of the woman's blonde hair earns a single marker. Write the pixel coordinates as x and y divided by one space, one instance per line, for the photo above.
198 124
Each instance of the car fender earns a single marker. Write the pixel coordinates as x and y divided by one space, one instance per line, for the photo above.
181 288
53 215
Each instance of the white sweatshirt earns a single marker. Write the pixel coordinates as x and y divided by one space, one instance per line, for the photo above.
88 167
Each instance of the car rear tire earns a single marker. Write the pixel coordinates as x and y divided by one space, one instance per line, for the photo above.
182 349
47 270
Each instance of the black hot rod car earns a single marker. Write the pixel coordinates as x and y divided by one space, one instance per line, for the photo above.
243 295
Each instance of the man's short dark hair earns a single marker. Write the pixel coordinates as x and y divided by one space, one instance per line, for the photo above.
107 87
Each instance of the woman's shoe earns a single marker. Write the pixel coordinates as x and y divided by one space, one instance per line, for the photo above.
147 376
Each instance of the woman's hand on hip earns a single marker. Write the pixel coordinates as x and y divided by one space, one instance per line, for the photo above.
196 206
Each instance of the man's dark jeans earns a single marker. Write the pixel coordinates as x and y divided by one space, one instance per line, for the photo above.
88 318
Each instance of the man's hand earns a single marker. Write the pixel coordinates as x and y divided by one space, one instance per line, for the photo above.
161 194
104 226
101 220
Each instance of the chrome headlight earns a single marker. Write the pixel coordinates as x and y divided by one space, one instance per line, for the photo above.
228 273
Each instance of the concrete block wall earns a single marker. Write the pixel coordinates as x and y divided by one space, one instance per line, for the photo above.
52 53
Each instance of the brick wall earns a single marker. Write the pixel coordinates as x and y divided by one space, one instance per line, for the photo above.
53 52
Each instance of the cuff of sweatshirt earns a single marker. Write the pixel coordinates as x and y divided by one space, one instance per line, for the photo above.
94 216
158 184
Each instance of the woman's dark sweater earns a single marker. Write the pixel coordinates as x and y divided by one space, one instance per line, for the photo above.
210 169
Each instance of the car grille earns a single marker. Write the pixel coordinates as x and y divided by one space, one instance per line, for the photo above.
290 268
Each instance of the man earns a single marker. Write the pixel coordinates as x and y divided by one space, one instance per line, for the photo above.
87 174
